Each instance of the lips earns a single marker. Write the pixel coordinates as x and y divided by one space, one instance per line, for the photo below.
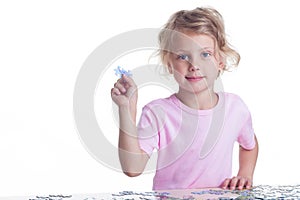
194 78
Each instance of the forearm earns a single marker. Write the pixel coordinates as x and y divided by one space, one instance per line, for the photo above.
132 158
247 161
128 132
244 178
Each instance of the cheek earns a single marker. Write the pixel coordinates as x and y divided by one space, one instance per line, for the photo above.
179 71
211 69
178 67
179 77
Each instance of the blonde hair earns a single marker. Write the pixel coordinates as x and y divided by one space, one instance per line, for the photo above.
203 21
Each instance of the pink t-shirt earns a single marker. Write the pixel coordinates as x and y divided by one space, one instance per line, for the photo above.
194 146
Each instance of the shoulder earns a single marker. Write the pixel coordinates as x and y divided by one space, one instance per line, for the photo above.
235 102
160 109
162 102
233 98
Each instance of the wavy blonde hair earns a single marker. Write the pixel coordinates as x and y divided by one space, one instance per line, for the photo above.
206 21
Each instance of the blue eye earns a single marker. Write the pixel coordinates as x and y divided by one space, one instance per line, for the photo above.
205 54
183 57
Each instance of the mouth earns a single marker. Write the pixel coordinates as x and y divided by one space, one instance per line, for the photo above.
194 78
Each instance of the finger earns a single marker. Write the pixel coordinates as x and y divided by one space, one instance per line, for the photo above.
249 184
120 86
242 183
225 184
115 91
127 80
233 183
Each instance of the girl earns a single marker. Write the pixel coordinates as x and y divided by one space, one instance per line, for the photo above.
194 130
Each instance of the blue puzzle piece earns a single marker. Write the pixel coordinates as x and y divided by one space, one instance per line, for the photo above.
119 71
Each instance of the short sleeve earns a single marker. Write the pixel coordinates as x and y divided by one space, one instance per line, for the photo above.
246 137
148 131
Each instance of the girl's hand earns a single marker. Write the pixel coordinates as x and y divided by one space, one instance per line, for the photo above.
238 182
124 92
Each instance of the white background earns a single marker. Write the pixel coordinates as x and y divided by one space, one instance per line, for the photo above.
43 45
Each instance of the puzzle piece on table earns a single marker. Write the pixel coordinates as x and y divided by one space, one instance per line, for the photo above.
120 71
276 192
260 192
52 197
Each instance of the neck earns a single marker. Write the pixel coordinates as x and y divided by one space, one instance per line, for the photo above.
201 101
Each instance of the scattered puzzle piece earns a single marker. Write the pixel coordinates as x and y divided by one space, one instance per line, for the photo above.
263 192
52 197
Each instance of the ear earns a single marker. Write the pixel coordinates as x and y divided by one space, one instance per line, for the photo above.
222 62
170 68
221 67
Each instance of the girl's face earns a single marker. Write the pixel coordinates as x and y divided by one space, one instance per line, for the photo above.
194 62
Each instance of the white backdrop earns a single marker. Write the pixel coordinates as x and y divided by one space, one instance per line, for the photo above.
43 45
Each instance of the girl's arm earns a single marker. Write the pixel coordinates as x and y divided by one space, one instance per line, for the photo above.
133 160
244 178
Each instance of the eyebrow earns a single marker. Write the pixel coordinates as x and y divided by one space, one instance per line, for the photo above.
188 51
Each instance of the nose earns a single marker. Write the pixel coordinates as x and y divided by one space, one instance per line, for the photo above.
193 67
